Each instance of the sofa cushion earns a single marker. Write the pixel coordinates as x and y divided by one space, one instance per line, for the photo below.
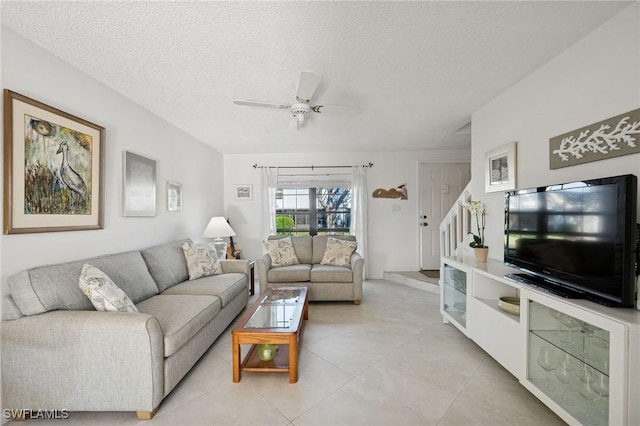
301 244
104 294
224 286
202 260
47 288
338 252
289 274
320 245
281 252
166 263
331 274
180 317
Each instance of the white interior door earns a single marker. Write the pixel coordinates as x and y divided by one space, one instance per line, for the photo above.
440 185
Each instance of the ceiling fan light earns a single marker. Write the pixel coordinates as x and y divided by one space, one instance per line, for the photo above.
307 85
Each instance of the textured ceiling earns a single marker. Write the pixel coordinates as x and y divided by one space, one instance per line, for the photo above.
418 69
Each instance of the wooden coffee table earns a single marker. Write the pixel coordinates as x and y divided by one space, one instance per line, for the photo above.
275 318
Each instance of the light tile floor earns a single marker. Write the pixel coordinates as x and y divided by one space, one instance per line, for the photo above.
389 361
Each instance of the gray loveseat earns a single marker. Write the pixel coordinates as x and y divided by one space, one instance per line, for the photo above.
58 352
325 282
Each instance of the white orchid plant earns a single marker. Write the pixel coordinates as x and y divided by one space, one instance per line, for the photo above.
479 210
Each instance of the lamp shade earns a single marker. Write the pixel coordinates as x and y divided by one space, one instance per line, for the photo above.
218 228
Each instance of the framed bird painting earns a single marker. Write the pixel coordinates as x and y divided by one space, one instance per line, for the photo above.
53 169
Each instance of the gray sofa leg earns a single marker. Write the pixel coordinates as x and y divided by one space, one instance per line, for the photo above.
356 302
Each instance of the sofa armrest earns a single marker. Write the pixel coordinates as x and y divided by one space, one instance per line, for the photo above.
263 265
357 262
235 265
357 267
239 266
83 360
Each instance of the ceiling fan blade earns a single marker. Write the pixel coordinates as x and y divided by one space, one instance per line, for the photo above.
337 109
263 104
307 85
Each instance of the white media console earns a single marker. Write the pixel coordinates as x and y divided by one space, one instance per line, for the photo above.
579 358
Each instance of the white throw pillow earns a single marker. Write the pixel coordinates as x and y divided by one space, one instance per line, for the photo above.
202 260
281 252
103 293
338 252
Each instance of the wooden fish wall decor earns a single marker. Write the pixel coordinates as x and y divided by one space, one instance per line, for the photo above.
397 192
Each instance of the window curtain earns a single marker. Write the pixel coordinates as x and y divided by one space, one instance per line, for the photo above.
269 185
359 210
313 180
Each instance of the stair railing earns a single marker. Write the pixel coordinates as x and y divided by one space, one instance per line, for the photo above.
455 226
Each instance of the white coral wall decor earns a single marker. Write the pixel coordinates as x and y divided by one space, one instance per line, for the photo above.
610 138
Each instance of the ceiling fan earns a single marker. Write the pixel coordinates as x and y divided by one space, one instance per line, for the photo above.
307 85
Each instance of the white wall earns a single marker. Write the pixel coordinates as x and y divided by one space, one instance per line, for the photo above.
393 235
597 78
36 73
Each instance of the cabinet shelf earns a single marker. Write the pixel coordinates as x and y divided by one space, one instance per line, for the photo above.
459 316
573 405
589 350
454 280
493 304
455 286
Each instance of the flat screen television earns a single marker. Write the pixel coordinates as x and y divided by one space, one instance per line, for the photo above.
576 239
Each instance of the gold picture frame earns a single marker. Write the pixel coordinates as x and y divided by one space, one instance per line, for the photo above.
500 168
53 169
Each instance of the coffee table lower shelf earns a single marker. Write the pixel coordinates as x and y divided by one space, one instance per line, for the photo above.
285 361
279 364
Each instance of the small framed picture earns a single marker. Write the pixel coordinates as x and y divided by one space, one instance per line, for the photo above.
174 196
139 185
244 192
500 168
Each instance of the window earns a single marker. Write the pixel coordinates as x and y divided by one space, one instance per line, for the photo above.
313 211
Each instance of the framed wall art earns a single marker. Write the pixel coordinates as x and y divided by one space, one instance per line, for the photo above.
244 192
139 185
500 168
613 137
53 169
174 196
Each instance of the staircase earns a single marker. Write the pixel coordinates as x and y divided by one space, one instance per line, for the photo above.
455 226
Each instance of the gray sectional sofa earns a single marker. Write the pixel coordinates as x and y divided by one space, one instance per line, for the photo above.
325 282
58 352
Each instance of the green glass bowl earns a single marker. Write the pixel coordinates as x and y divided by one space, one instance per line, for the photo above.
510 305
267 352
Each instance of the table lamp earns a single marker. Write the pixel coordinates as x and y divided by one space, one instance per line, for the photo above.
218 228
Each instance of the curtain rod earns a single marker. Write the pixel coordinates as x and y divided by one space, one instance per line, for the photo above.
317 175
255 166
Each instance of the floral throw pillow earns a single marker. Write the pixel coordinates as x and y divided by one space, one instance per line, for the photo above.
202 260
103 293
281 252
338 252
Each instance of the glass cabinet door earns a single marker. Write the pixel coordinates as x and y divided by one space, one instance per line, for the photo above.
568 360
455 294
